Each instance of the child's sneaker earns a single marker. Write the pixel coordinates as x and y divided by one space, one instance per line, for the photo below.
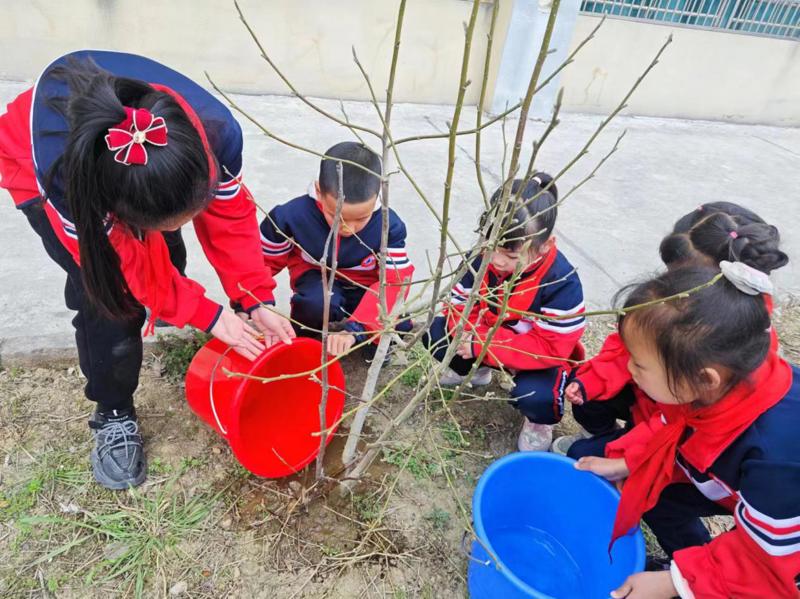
481 378
118 460
535 437
562 444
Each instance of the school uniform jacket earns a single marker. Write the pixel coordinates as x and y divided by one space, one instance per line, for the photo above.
293 236
605 375
757 477
525 342
33 136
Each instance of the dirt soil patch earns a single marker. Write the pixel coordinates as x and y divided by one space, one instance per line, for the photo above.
202 526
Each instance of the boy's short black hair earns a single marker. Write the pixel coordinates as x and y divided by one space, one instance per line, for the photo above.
359 185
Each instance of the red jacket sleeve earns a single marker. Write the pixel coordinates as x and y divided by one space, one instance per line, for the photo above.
16 157
536 349
761 556
536 343
183 300
399 271
604 376
228 231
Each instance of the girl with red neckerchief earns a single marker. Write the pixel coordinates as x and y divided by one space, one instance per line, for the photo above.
729 412
538 336
600 389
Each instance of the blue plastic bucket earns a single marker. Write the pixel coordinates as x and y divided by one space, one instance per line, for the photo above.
548 526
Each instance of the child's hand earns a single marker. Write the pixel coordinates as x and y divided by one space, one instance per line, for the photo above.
464 349
274 326
612 470
573 394
340 343
234 331
647 585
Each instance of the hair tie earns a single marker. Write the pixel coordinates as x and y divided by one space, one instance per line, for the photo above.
746 278
127 138
700 208
733 234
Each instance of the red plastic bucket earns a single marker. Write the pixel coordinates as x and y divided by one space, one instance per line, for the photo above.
269 426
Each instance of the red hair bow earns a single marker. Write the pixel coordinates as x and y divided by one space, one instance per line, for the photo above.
127 139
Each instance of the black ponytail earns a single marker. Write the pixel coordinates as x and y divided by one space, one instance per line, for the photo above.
102 193
531 213
723 231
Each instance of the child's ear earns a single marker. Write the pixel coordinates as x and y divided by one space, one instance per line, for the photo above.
317 191
547 245
711 379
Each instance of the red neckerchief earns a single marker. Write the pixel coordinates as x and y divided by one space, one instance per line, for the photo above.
521 295
159 267
715 428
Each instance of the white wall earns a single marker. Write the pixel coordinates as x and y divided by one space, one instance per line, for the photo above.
310 40
703 74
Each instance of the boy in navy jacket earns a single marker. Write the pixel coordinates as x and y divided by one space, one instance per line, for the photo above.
294 234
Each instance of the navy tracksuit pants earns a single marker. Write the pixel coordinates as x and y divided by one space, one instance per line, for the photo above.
308 302
538 394
109 351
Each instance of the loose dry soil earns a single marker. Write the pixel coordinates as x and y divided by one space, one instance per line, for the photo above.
204 527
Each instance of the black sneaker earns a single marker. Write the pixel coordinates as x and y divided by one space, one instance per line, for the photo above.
118 460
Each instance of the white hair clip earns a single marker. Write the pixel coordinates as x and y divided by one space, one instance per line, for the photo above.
746 278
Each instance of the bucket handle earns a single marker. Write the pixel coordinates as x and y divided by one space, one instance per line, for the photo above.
211 389
468 554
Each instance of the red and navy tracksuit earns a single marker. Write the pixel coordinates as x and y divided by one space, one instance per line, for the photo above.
293 236
536 350
757 480
610 394
33 136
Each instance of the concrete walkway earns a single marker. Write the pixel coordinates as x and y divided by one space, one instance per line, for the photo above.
610 228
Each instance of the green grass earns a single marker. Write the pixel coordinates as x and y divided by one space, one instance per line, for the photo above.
176 352
453 435
414 374
58 468
366 507
132 538
158 466
190 463
14 372
20 500
417 463
438 519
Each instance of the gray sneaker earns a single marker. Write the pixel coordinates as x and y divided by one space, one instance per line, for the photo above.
562 444
481 378
118 460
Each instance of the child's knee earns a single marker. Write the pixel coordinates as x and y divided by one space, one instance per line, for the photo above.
436 336
540 395
308 305
307 308
537 408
